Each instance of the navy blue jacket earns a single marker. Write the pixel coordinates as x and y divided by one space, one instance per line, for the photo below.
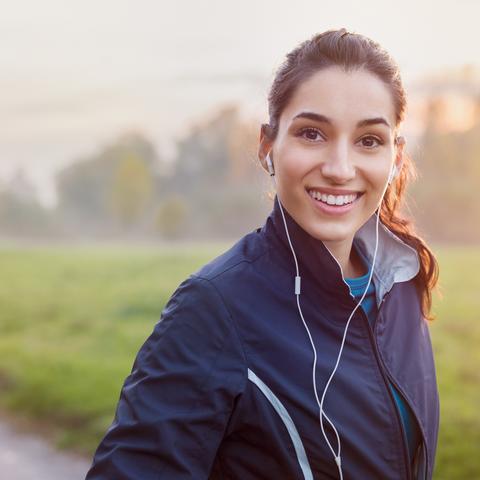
222 388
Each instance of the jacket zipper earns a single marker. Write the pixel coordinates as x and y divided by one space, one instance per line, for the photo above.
385 379
384 369
423 444
411 409
421 463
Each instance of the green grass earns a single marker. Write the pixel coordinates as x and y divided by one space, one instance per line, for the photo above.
456 337
72 320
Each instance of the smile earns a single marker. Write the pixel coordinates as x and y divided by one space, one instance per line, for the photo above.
334 204
333 199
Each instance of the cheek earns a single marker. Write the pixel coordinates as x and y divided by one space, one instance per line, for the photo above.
377 175
295 162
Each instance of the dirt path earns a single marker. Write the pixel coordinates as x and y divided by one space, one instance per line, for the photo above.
27 456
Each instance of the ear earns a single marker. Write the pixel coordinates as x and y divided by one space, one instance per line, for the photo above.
265 145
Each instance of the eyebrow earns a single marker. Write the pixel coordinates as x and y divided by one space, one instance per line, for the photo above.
323 119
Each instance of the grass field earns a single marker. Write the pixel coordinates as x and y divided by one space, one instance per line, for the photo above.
72 320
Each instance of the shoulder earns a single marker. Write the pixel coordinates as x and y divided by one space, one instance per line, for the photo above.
194 327
245 252
202 297
206 299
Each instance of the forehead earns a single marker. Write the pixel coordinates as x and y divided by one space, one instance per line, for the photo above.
345 97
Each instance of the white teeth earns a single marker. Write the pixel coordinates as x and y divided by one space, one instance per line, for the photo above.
333 199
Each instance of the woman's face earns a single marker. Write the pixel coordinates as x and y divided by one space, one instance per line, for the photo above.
325 149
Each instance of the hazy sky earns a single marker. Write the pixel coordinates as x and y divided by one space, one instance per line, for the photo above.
74 74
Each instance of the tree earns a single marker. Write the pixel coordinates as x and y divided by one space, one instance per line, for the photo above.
131 188
171 216
116 183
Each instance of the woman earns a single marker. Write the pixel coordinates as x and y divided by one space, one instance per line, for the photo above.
303 352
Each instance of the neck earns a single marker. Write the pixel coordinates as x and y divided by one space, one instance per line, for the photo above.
348 258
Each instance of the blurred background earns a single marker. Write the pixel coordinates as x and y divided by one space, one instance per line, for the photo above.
128 143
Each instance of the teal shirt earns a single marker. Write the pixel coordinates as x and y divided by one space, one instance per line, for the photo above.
357 286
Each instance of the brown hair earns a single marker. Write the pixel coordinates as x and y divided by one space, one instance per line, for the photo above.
353 51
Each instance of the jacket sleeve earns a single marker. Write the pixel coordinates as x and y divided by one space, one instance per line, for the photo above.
175 404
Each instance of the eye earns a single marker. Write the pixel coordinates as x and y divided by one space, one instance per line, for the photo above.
369 139
310 134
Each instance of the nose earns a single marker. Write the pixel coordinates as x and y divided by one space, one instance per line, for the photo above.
337 166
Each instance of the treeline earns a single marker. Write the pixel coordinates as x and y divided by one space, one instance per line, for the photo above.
215 187
445 203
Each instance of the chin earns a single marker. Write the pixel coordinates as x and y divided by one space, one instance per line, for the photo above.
331 235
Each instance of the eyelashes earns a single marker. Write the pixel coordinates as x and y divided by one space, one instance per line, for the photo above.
314 131
309 129
378 140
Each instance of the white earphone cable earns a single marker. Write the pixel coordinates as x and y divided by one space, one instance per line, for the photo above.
337 456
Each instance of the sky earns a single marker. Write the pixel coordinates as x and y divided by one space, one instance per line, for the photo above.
76 74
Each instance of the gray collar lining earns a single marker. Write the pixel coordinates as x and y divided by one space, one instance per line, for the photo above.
396 261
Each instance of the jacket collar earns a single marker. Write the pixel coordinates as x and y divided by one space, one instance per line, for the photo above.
395 262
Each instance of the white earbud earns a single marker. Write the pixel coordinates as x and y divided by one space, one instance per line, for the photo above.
399 140
271 170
